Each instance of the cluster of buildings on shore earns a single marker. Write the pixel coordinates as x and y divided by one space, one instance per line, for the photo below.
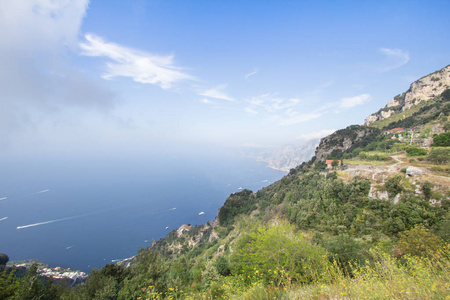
59 274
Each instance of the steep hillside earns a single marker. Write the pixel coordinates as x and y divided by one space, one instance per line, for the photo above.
334 145
372 221
425 89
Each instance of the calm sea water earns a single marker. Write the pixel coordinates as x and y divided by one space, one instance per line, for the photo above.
85 213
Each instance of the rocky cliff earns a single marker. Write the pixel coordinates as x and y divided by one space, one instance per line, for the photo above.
335 144
424 89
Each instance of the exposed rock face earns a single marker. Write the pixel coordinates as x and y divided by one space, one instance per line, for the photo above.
413 171
424 89
183 228
341 140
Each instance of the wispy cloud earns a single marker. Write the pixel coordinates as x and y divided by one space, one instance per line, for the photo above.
291 111
394 58
140 66
354 101
254 72
284 111
206 101
316 135
217 93
251 111
272 103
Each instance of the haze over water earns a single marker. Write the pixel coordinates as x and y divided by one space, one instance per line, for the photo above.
86 213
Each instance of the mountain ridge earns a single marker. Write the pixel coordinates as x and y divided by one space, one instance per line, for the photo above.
423 89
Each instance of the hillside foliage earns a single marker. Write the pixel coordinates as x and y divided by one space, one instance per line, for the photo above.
321 232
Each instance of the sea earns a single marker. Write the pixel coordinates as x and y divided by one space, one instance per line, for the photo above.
83 213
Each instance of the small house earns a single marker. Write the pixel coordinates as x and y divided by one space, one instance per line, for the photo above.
329 163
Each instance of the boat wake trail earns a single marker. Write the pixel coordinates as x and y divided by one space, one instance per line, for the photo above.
3 218
48 222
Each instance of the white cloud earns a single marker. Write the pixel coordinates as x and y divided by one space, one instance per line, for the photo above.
354 101
316 135
37 80
254 72
40 24
394 58
271 103
290 112
284 111
206 101
217 93
251 111
140 66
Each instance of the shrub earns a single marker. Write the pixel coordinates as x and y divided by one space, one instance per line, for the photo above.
419 241
278 255
441 140
416 151
439 156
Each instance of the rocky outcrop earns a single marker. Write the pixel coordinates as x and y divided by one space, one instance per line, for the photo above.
424 89
335 144
413 171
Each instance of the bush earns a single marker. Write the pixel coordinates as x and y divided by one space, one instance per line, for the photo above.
278 255
416 151
439 156
441 140
419 241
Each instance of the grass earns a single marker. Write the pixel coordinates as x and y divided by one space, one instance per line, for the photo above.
368 162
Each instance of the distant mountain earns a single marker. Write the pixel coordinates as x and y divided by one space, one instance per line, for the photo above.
285 157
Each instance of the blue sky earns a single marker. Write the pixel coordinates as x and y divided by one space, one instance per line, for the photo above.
127 77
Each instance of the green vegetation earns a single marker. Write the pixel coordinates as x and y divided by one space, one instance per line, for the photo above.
314 234
439 156
420 114
278 255
374 156
441 140
3 259
416 151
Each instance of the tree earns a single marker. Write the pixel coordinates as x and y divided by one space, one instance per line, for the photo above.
335 164
393 185
3 259
8 283
427 189
222 266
